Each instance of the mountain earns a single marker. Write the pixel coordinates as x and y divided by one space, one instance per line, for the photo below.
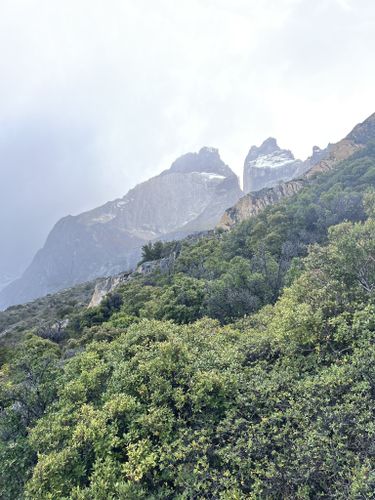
238 365
321 161
5 279
268 165
190 196
358 138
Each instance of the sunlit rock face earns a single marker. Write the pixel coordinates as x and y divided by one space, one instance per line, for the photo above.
190 196
252 204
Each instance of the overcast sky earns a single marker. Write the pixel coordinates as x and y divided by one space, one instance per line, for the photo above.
96 96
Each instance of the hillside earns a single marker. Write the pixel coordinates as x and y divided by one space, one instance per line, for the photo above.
234 365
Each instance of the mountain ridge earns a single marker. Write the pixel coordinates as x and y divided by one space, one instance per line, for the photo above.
190 196
198 192
320 162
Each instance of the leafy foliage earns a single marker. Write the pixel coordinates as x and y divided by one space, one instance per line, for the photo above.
280 405
272 396
158 250
240 272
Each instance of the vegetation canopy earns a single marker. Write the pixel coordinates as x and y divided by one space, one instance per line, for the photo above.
245 371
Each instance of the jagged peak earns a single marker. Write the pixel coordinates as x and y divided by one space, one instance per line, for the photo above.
206 160
268 147
207 150
364 132
270 144
318 154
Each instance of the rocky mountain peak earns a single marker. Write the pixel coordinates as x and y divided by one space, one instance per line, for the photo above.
322 160
318 155
267 147
206 160
189 197
364 132
270 151
267 165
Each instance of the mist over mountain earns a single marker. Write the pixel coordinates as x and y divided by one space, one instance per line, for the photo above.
90 97
190 196
196 193
229 364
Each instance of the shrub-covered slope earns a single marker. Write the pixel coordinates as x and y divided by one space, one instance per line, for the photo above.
233 274
245 371
277 405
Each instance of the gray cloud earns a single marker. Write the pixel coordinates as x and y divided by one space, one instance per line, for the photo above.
96 96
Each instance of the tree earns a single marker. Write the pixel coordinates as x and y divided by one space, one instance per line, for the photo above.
28 387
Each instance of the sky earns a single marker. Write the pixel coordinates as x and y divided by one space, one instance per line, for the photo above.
99 95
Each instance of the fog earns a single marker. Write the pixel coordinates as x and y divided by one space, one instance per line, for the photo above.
96 96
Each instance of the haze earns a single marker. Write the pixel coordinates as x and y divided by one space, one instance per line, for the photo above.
97 96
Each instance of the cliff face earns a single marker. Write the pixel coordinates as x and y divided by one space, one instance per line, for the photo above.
337 152
254 203
267 165
321 161
107 285
358 138
190 196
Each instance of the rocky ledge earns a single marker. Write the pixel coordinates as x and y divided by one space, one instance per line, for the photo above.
254 203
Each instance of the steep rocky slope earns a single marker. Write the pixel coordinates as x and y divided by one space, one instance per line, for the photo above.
321 161
268 165
190 196
252 204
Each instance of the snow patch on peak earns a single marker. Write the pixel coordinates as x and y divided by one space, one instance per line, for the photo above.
272 160
210 176
268 164
120 204
103 219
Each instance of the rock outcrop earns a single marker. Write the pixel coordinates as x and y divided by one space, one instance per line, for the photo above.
359 137
104 286
165 265
336 153
254 203
190 196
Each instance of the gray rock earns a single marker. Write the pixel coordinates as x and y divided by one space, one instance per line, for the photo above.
107 285
191 196
321 161
267 165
